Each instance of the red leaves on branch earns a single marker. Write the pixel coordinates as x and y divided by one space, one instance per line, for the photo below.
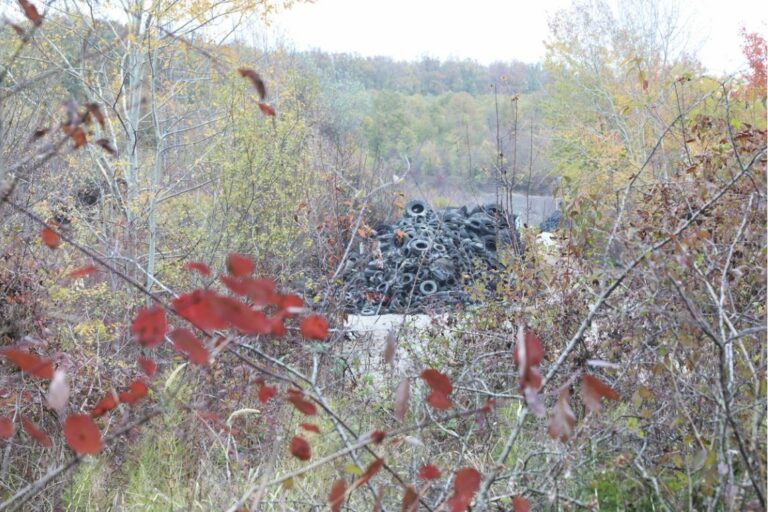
402 396
520 504
255 79
593 389
198 307
82 434
336 496
83 271
150 326
441 387
136 392
148 366
186 343
465 485
314 327
30 11
6 428
300 448
104 405
35 433
429 472
310 427
200 268
563 419
29 363
239 265
240 316
50 237
296 397
262 292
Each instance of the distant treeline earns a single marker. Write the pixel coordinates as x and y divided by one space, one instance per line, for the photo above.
427 76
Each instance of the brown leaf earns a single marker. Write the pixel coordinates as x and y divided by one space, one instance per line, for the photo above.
520 504
563 419
592 389
58 392
107 146
336 496
266 109
94 110
254 77
402 395
410 500
30 11
390 348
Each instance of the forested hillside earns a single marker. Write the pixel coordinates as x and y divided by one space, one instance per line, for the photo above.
188 222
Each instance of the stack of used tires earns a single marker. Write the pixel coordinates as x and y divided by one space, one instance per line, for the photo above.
425 259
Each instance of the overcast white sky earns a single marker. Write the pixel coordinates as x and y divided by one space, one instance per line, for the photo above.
489 30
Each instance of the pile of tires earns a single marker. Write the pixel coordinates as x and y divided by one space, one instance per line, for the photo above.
424 261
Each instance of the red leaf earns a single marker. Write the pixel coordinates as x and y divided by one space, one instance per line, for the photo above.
83 271
563 419
300 448
592 389
520 504
29 363
377 436
30 11
239 265
150 326
262 292
402 395
441 387
314 327
6 427
50 237
439 401
531 352
465 485
266 393
35 433
148 366
266 109
290 304
304 406
373 468
310 427
410 500
82 434
429 472
254 77
336 496
277 326
186 343
200 268
198 307
240 316
136 392
528 354
78 136
437 381
104 405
